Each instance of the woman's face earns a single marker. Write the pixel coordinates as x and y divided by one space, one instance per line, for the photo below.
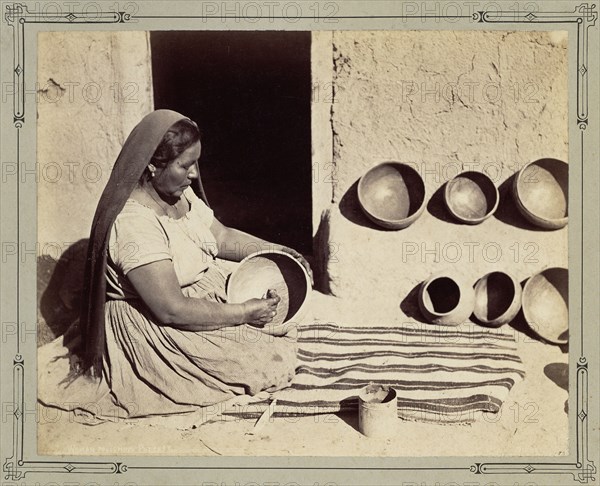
171 180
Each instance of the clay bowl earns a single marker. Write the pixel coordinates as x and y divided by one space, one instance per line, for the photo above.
471 197
546 304
497 299
264 270
446 300
541 192
392 195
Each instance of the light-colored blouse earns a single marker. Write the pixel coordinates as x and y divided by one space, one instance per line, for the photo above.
140 236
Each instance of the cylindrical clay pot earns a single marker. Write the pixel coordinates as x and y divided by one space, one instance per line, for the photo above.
377 411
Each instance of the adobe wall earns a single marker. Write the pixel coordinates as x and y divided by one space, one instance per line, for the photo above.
93 88
443 102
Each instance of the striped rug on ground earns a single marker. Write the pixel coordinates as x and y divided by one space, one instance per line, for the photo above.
440 374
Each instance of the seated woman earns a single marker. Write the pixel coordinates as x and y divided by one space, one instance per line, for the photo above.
156 327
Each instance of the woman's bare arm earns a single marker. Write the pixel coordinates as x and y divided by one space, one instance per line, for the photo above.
235 245
157 285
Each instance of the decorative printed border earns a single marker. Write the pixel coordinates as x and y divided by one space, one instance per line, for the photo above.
583 470
584 16
17 467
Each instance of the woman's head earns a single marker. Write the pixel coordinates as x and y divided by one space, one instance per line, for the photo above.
174 161
179 137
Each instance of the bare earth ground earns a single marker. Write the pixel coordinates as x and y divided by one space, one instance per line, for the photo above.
533 420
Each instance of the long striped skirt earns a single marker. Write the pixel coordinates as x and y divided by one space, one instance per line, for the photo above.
154 369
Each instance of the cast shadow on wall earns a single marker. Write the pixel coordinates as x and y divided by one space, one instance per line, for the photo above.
351 210
59 286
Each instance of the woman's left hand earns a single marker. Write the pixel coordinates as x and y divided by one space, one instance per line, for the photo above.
301 259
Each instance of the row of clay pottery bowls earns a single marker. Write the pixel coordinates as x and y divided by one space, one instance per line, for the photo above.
448 299
392 194
496 298
540 191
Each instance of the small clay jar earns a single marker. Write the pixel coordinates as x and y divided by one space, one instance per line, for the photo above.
446 299
497 299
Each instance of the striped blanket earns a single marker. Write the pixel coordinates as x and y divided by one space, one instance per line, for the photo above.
440 374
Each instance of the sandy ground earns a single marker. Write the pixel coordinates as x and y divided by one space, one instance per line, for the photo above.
533 421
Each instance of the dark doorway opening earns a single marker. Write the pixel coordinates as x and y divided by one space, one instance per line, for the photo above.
250 93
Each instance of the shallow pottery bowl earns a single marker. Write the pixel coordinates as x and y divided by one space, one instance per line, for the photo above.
264 270
541 192
446 299
497 298
471 197
392 195
546 304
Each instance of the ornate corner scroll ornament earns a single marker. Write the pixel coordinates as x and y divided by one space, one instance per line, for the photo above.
17 15
584 16
583 469
16 467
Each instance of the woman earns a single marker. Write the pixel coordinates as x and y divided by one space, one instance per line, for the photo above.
155 324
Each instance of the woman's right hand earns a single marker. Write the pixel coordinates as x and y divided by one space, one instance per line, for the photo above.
260 312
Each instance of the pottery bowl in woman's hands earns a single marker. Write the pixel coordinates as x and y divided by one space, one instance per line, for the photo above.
272 270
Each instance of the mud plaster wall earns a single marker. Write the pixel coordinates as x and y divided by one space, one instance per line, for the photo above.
444 102
93 87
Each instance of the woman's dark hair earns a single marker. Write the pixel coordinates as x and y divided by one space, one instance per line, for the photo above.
179 137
